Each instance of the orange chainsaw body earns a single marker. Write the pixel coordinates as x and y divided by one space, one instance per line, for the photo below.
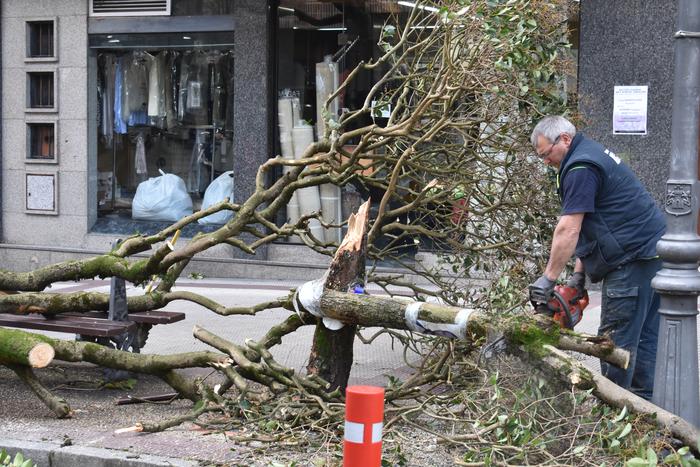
566 306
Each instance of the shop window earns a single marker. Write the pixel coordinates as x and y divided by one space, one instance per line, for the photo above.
318 45
164 107
41 142
41 90
41 44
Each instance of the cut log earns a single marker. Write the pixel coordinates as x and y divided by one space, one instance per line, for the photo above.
460 323
20 348
332 350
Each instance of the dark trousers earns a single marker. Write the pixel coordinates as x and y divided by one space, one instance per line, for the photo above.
629 313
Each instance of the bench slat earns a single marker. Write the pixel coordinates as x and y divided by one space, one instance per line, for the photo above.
145 317
72 324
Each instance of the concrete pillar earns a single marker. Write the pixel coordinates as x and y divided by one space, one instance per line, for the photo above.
252 93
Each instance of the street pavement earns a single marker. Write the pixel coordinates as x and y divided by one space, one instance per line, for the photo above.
29 426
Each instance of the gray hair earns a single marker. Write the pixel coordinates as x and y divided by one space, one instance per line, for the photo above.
551 127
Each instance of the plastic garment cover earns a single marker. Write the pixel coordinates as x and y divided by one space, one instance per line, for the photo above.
140 157
135 89
220 189
156 85
170 88
162 198
200 163
119 121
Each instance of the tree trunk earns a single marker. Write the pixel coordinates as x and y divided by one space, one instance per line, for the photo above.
331 354
21 348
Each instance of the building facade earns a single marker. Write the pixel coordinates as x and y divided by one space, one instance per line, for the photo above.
100 96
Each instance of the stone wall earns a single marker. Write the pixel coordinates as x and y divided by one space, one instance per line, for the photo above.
629 42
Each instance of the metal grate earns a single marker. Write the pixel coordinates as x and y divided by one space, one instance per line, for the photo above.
130 7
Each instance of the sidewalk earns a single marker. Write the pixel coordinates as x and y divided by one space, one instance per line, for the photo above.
26 421
28 425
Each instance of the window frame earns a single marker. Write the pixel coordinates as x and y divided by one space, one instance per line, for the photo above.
27 39
28 104
28 148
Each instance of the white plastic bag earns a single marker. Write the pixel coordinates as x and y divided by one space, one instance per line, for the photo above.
217 191
161 198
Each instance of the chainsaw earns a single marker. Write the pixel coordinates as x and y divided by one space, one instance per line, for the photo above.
565 307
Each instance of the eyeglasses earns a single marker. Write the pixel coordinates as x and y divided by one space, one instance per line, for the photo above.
547 153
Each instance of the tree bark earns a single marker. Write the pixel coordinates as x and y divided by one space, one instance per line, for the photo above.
576 374
331 354
21 348
57 405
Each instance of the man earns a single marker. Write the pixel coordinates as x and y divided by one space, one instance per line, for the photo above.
612 224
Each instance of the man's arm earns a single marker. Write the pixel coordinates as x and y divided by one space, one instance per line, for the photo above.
563 244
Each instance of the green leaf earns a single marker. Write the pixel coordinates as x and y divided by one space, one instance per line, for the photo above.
636 462
621 416
579 449
19 460
652 457
625 431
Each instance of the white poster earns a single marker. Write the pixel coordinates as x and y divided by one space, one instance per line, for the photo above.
630 110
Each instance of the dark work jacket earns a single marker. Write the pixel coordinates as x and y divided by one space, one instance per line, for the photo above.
626 223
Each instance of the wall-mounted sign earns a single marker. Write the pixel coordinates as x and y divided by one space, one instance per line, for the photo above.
630 110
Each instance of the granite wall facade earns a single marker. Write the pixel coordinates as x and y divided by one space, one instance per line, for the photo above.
629 42
30 240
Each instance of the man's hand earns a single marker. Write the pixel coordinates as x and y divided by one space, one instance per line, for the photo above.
541 290
577 281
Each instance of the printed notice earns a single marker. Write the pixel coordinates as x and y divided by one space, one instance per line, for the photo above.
630 110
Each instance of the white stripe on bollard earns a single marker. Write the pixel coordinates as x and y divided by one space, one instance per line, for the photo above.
355 432
377 432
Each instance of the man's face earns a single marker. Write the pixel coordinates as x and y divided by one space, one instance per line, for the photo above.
553 152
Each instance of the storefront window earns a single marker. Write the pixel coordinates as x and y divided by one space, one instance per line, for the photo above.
165 104
318 45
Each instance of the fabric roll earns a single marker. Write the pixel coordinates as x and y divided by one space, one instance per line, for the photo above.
327 81
330 208
309 198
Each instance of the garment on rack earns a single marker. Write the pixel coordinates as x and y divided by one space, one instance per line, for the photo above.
217 91
119 123
170 88
135 84
107 101
156 85
200 170
140 155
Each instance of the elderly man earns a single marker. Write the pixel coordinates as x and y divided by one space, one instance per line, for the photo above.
612 225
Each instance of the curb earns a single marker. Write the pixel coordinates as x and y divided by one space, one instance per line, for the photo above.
53 455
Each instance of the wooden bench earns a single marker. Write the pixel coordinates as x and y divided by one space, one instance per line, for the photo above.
116 327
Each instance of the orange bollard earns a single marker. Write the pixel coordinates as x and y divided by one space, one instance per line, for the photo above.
364 420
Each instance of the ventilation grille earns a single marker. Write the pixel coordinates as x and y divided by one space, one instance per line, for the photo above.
129 7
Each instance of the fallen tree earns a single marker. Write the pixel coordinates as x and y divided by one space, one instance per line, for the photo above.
451 178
